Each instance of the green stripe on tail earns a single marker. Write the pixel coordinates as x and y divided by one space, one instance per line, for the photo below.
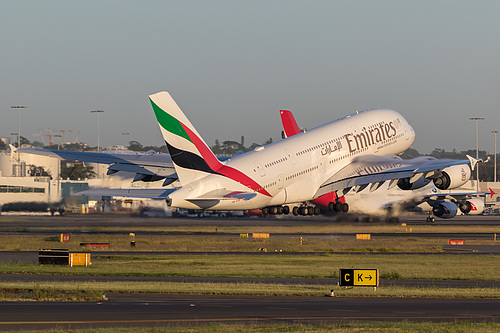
169 123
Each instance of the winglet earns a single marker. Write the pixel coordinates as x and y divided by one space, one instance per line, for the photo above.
473 161
492 193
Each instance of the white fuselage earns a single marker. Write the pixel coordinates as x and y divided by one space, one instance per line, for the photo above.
292 170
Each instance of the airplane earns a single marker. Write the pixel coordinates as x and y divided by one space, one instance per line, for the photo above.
296 174
441 204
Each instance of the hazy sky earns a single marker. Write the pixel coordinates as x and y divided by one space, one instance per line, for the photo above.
232 65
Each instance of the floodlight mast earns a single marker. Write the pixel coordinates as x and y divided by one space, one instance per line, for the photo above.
476 119
98 138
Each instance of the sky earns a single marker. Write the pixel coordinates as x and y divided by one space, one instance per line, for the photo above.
232 65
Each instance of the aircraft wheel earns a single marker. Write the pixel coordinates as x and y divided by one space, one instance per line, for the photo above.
295 210
331 206
265 211
303 210
279 209
286 210
338 206
428 219
317 210
310 210
345 207
273 210
432 220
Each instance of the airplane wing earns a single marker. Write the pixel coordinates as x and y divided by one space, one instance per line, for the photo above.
148 167
376 170
153 193
458 196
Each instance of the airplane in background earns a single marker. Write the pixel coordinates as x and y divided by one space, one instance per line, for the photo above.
148 167
441 204
296 174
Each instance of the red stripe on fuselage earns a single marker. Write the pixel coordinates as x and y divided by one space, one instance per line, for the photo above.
218 167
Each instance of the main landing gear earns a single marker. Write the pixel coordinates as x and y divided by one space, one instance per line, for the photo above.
338 207
306 210
276 210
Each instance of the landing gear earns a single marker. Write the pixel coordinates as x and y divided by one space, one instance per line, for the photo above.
338 207
276 210
296 210
430 219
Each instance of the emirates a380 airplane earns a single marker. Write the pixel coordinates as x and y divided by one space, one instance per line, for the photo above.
316 167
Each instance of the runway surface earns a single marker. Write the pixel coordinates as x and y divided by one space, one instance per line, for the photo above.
136 310
18 223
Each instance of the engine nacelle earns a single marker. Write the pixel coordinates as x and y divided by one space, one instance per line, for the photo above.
453 177
474 206
445 210
404 183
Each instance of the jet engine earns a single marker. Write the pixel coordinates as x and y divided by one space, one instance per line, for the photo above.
452 177
445 210
404 183
474 206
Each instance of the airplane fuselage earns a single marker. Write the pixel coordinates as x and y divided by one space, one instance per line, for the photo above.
291 170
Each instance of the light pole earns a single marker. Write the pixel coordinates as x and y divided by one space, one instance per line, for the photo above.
18 107
476 119
125 134
97 111
495 166
58 136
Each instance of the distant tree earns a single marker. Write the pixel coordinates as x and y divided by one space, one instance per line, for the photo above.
3 146
253 146
37 144
409 154
135 146
268 142
231 147
217 149
77 172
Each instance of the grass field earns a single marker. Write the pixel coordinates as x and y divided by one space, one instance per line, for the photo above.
204 239
230 243
383 327
93 291
470 267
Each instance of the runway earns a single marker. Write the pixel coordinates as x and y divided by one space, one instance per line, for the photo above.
13 223
148 310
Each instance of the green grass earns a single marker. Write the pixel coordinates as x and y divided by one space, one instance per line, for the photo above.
209 243
456 267
383 327
72 291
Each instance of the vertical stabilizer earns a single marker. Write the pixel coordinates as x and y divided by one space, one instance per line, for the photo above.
192 158
289 124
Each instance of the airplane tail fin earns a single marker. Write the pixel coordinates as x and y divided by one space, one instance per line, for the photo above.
192 157
289 124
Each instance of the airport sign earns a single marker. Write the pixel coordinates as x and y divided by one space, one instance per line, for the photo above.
359 277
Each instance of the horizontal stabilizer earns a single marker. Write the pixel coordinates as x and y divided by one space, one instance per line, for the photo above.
147 193
223 194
